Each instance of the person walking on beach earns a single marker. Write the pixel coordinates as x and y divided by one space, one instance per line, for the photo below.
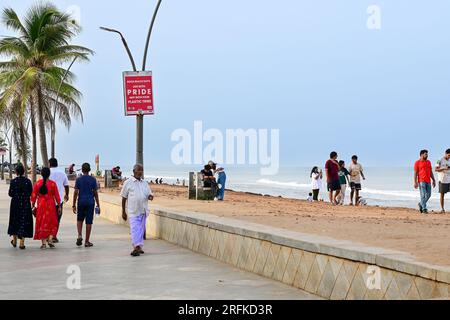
60 178
443 170
332 173
46 194
20 216
316 182
343 180
135 196
84 199
423 176
356 172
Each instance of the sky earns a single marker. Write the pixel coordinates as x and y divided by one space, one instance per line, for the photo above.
312 69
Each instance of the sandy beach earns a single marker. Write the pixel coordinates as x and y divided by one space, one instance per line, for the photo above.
427 237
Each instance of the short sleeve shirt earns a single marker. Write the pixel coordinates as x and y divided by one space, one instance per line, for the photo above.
343 173
444 177
333 171
60 178
316 181
86 186
424 170
136 192
355 172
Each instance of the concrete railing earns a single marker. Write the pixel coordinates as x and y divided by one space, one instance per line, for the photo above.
332 269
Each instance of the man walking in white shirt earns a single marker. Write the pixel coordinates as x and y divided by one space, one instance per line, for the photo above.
135 196
60 178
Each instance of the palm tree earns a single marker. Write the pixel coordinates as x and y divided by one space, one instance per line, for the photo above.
36 56
14 112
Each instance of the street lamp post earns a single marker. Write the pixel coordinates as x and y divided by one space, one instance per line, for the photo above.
139 118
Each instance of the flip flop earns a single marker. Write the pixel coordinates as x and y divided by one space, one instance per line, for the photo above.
88 244
79 241
22 247
135 253
51 245
13 244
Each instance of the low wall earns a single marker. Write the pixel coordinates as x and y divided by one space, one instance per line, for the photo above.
329 268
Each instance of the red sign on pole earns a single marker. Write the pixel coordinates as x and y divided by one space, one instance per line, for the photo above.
138 92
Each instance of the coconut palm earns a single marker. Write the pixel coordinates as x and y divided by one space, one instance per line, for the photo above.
36 56
14 112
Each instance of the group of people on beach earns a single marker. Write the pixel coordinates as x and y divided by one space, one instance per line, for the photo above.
338 178
214 177
45 200
424 179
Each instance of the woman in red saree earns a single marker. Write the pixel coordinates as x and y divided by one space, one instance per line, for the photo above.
45 192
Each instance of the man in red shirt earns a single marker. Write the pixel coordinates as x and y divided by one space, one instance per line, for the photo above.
332 173
423 176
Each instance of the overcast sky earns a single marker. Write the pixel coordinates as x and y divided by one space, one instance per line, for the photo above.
311 68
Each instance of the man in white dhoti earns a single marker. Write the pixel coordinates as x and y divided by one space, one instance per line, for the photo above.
135 196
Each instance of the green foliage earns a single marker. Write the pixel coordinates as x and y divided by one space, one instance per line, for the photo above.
34 85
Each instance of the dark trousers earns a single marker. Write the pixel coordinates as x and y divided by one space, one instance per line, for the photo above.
59 215
316 194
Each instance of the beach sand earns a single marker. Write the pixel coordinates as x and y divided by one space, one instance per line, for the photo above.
427 237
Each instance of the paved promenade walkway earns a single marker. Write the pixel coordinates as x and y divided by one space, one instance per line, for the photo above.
109 272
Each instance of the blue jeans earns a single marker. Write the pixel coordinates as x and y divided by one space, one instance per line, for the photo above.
425 194
221 180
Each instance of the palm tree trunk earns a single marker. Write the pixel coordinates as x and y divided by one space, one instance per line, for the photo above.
34 143
41 124
10 159
53 138
23 146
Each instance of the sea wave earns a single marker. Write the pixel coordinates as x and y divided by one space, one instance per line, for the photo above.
292 184
408 194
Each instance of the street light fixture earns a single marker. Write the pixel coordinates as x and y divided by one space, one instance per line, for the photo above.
125 44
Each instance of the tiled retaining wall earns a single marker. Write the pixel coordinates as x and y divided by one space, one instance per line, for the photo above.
323 266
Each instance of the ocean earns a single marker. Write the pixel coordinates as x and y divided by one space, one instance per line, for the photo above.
384 186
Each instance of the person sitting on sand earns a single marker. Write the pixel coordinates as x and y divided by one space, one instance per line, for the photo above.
332 172
310 197
316 182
